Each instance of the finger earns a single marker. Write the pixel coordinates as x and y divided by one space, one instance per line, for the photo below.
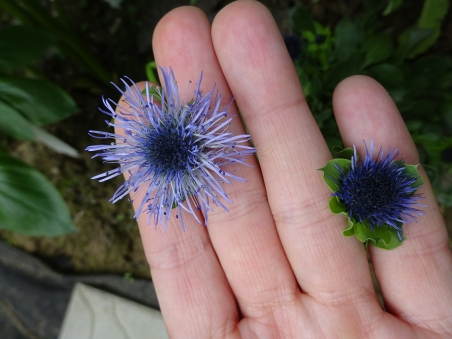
415 278
194 295
244 237
290 148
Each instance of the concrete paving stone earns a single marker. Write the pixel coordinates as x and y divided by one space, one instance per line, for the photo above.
95 314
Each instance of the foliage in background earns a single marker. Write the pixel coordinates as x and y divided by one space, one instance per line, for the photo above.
419 83
29 202
151 71
32 14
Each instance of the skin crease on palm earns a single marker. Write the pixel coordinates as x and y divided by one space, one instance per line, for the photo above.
277 265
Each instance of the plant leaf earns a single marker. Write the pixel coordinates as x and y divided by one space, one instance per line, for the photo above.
40 101
348 36
31 205
343 153
431 173
409 40
344 69
301 20
432 67
384 237
54 143
116 4
423 35
388 75
377 48
336 207
152 93
330 172
349 230
13 124
413 172
392 6
21 46
433 14
151 68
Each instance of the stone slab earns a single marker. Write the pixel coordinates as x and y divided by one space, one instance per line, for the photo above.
96 314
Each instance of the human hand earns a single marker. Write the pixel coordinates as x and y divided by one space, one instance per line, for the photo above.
277 265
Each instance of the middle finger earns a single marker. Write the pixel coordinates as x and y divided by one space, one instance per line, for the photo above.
290 149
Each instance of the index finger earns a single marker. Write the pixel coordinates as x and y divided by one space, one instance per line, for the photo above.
194 295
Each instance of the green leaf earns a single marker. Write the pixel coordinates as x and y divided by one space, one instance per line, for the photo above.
151 68
364 233
431 67
301 20
377 48
349 230
176 204
31 205
40 101
409 41
114 3
330 172
335 206
388 75
13 124
392 6
384 237
425 33
344 69
413 125
431 173
412 171
152 93
342 153
54 143
21 46
348 36
433 13
305 82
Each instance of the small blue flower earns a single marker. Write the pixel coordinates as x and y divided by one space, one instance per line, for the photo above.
174 150
294 45
379 192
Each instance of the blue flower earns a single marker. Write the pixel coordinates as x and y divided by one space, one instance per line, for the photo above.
174 150
294 45
379 192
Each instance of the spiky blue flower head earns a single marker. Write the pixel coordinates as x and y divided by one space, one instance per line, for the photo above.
380 191
174 149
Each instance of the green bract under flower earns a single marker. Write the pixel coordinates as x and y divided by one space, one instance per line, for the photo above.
376 195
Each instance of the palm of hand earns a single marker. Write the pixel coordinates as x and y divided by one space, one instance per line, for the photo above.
277 265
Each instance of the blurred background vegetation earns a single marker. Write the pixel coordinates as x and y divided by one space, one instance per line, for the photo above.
57 58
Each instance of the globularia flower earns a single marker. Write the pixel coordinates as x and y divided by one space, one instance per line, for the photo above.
377 195
174 149
379 191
